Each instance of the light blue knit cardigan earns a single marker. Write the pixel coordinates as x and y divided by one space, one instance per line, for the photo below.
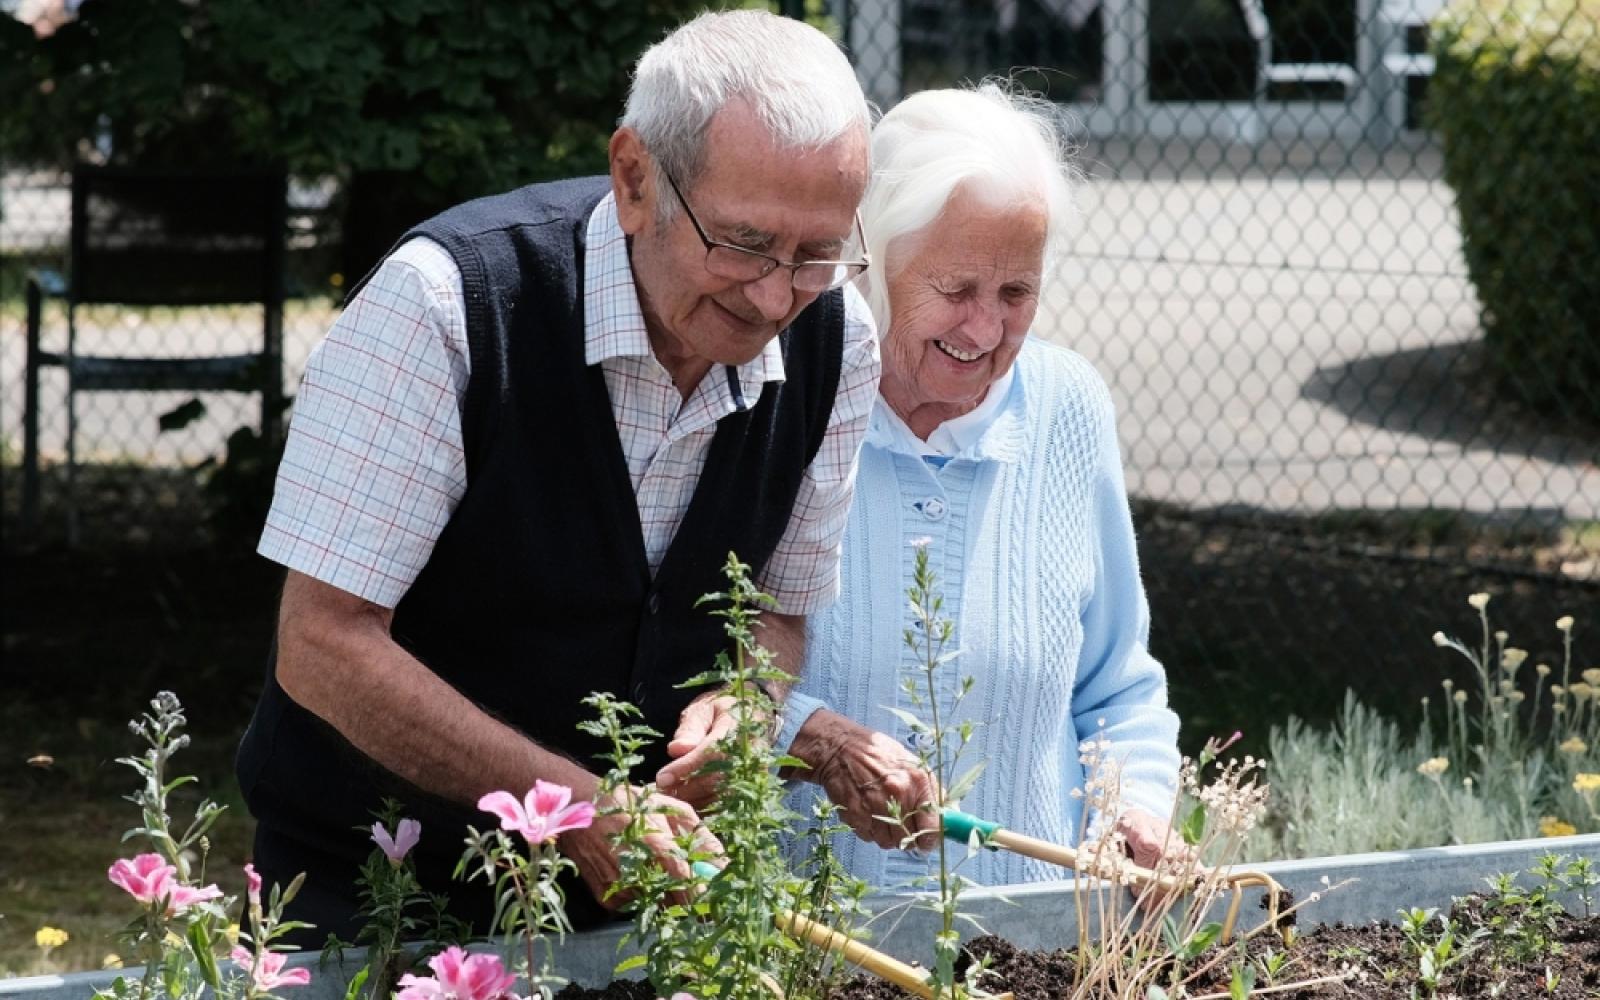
1033 546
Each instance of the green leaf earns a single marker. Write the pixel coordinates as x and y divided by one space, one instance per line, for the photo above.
628 964
961 786
1202 939
204 957
1193 829
1243 983
360 980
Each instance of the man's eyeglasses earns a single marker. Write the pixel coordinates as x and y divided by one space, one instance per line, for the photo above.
726 260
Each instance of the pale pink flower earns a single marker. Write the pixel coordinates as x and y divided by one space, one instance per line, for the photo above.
185 896
406 834
543 813
459 976
270 974
252 883
148 878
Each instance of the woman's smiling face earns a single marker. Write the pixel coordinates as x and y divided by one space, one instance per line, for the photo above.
960 306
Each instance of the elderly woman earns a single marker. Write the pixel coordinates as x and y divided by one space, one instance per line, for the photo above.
997 452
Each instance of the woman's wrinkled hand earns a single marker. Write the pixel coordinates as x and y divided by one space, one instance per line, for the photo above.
870 776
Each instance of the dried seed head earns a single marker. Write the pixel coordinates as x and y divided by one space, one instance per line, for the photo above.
1440 639
1433 767
1479 601
1564 623
1460 697
1543 670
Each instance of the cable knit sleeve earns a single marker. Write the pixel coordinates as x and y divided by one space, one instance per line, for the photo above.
1121 689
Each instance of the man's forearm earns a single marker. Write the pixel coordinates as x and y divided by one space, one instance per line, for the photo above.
785 637
343 666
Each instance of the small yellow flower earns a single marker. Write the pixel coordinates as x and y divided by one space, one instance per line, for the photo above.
1512 658
1573 745
1460 697
1549 826
1582 690
1433 767
111 961
50 937
1479 601
1592 676
1586 784
232 933
1440 639
1564 623
1543 670
1517 697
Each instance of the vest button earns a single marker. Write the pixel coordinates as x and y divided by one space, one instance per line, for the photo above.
654 602
933 508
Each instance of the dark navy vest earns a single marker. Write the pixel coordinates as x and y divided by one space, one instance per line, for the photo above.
537 592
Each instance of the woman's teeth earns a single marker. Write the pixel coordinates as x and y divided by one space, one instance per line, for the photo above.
958 354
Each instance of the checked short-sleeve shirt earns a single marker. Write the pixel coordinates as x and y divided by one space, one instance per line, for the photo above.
374 464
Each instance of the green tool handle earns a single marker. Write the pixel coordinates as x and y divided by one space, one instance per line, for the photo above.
960 826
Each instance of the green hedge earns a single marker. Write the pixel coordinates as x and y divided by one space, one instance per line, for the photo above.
439 100
1516 97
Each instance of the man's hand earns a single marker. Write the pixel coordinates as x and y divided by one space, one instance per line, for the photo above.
669 818
703 724
863 771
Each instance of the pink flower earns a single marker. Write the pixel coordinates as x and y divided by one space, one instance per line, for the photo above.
148 878
406 834
459 976
270 974
252 883
542 814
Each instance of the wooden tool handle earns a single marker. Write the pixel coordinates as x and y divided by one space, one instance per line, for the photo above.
907 977
1069 858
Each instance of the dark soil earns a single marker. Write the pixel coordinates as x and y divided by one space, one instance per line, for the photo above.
1374 961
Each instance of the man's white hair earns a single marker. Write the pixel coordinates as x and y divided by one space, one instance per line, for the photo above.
1002 145
796 80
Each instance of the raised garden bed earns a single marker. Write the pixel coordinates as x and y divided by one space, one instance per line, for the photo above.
1043 917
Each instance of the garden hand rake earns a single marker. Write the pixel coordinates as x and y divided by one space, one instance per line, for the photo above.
908 977
962 827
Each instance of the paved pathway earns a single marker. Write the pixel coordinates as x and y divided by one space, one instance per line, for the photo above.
1241 315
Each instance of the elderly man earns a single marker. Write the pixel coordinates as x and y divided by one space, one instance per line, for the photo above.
530 441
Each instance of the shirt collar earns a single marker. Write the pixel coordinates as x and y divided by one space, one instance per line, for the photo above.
613 322
990 431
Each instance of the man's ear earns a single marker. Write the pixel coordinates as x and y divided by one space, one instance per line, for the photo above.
632 181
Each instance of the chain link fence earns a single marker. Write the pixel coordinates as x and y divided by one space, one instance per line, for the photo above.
1321 442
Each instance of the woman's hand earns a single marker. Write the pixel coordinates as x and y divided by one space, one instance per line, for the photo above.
868 775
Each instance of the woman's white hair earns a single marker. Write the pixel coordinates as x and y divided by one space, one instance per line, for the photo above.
793 76
1000 144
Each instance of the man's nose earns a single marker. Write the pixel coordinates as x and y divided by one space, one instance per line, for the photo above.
772 295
